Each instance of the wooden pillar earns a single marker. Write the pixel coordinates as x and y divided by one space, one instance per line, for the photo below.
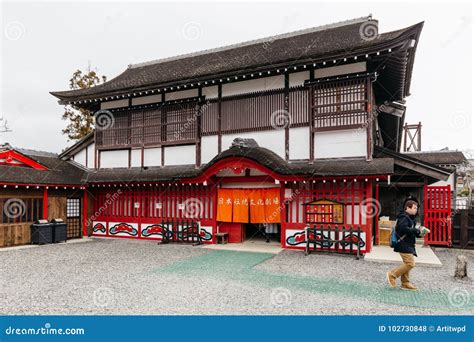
370 119
163 129
378 212
199 129
368 237
464 231
219 118
286 108
45 203
84 214
311 122
283 219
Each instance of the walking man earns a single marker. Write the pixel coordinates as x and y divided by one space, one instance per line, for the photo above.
407 233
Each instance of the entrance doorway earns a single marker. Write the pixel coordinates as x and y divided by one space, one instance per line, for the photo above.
267 232
249 214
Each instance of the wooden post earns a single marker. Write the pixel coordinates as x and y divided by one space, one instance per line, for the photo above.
286 106
370 120
311 123
283 218
84 214
377 215
198 130
464 231
219 118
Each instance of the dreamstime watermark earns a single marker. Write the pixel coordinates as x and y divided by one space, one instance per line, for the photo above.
47 329
459 297
110 199
369 30
191 30
273 216
104 119
193 208
459 120
281 297
14 30
190 121
280 119
370 207
14 208
103 297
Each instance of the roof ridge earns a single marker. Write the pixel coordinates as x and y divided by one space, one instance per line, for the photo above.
434 151
255 41
36 153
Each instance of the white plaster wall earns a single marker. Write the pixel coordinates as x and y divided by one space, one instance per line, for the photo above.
181 94
136 158
146 99
298 78
273 140
80 157
299 143
90 156
114 104
180 155
152 156
210 92
209 148
340 144
111 159
340 70
266 83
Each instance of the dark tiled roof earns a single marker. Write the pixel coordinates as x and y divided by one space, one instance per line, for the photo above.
311 45
265 157
152 174
59 172
440 157
428 168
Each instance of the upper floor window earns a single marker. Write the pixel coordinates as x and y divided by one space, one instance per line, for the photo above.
340 104
170 124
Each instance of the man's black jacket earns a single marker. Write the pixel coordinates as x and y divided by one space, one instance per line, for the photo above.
406 226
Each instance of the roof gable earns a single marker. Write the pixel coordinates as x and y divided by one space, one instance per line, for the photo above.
15 158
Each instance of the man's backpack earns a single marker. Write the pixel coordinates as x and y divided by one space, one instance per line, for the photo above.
394 240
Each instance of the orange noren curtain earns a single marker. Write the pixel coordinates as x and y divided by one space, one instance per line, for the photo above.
257 205
241 206
272 205
235 205
225 200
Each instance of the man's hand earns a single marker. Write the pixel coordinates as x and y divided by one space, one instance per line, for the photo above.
424 230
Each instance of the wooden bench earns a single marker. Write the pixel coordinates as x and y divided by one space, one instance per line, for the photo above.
222 238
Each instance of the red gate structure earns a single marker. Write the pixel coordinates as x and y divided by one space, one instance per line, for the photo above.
437 212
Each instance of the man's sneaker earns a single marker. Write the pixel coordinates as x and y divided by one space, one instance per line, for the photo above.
392 280
409 286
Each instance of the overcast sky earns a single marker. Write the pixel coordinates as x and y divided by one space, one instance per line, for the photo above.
43 43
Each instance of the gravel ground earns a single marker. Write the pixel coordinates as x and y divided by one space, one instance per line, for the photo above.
344 267
118 276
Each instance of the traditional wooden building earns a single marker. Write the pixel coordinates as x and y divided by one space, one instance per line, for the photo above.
262 138
38 185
